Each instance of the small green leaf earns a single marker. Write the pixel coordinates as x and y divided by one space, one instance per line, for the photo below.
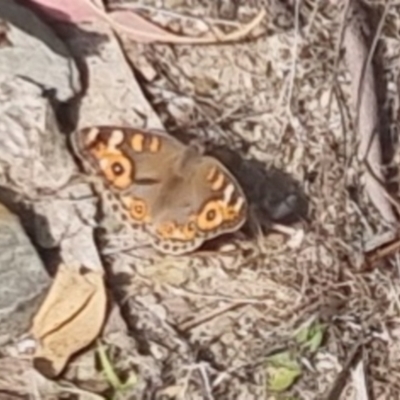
281 378
311 336
282 370
302 335
315 338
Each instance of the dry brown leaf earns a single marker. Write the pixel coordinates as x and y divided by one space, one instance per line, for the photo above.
70 318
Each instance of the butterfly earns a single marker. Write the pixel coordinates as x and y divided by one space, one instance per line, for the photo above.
179 197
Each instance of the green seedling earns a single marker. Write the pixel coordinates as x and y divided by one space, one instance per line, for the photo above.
111 376
282 371
311 337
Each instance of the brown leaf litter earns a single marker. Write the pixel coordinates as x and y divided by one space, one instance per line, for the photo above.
235 310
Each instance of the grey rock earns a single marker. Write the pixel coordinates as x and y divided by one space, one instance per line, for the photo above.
34 161
23 277
33 51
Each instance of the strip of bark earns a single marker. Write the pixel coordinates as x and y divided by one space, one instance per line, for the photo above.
356 42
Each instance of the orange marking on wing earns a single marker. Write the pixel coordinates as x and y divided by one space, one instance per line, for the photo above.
211 174
138 210
229 213
98 150
155 144
211 216
137 142
189 231
232 211
116 168
170 230
166 229
218 182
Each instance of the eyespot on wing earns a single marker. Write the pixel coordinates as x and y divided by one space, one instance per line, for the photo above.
98 147
117 169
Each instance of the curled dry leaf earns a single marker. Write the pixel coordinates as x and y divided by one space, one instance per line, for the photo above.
69 319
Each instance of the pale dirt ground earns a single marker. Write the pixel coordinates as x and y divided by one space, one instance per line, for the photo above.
204 325
273 94
270 99
214 320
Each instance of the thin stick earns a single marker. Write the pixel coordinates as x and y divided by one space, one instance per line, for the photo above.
294 54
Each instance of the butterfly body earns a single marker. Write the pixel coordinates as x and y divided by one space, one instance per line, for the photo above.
179 197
